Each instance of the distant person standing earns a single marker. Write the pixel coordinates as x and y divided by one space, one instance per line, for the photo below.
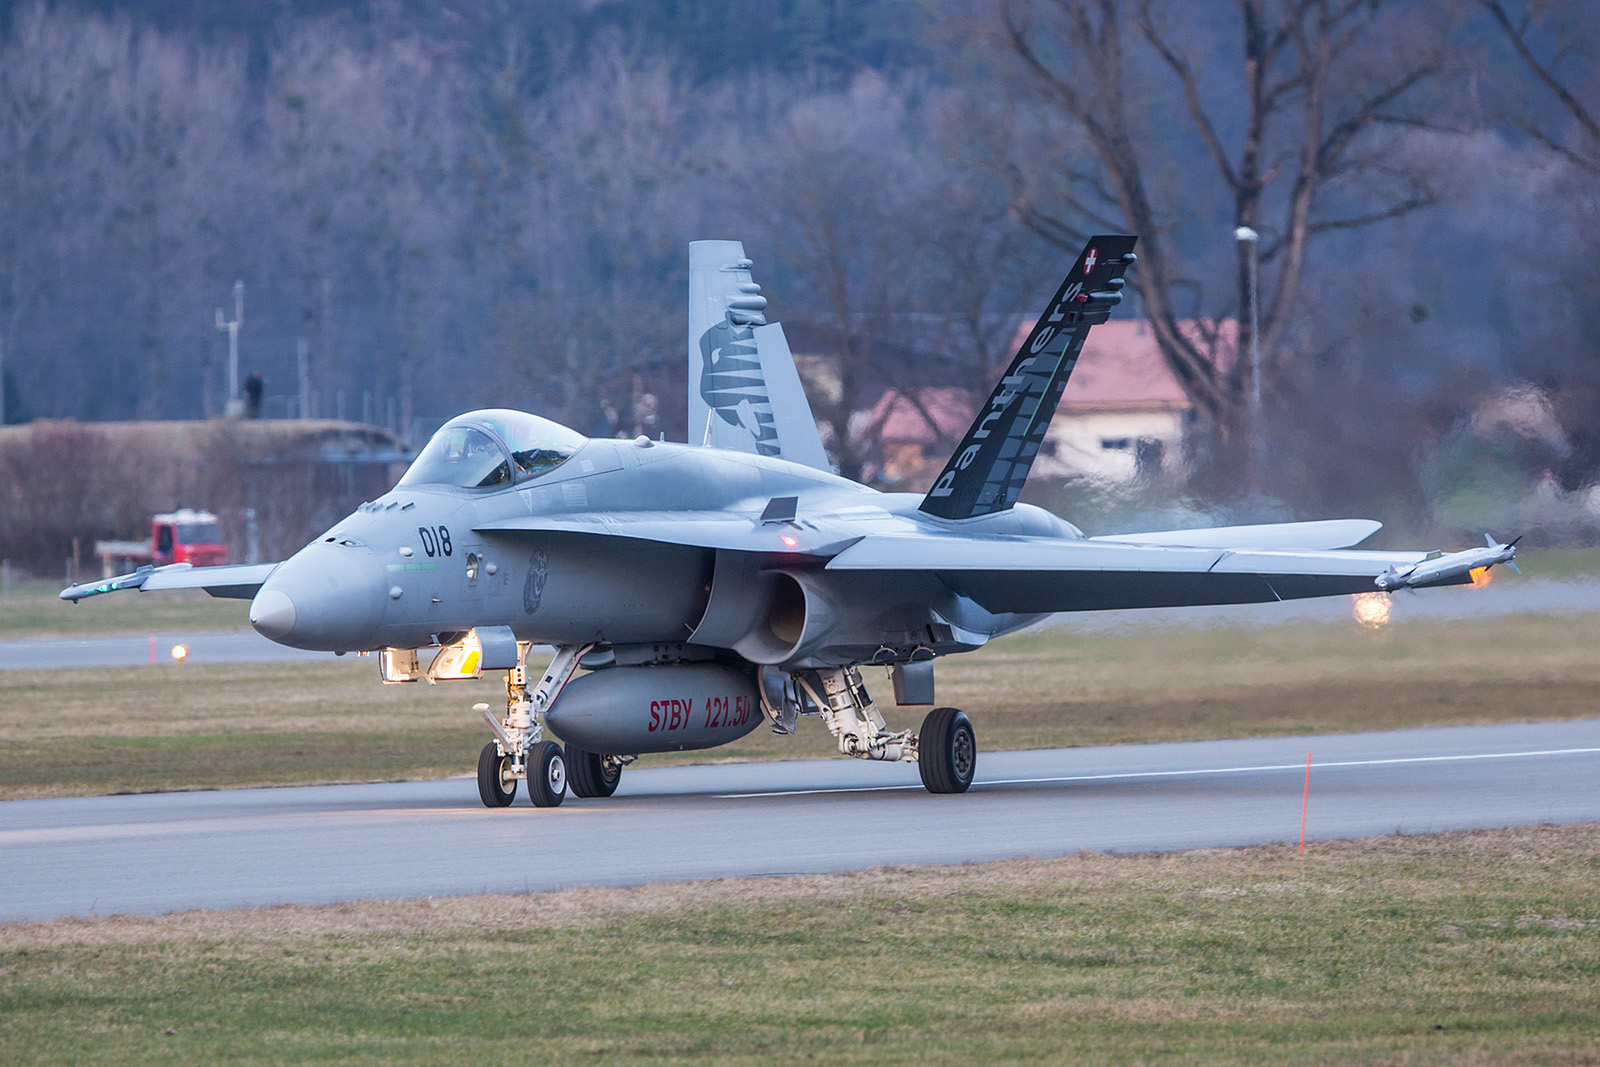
252 395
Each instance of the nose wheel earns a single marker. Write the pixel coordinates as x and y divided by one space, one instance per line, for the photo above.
546 772
497 784
547 775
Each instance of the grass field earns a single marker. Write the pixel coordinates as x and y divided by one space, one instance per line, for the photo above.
209 726
1469 948
34 610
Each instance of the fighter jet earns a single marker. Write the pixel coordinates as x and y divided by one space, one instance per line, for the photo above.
705 588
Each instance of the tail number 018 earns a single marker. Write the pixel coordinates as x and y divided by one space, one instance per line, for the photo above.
435 540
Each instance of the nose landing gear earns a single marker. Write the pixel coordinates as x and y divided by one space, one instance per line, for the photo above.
497 782
547 774
519 750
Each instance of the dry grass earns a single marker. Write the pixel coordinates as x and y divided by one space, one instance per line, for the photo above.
35 610
210 726
111 730
1462 948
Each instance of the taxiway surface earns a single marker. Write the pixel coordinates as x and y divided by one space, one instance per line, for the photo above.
166 852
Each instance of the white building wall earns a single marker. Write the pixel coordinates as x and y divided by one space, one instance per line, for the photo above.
1118 446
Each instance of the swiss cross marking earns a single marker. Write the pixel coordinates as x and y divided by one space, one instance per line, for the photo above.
1088 260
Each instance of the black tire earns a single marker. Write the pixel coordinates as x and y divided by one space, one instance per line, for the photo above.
494 788
547 775
588 775
947 751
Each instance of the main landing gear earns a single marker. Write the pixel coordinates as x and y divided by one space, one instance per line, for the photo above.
946 752
592 774
519 750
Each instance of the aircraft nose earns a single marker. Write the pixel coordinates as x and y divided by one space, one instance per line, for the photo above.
272 614
328 597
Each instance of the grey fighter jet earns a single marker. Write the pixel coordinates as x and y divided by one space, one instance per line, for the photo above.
708 587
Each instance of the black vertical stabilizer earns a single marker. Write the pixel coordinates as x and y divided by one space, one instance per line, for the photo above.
987 471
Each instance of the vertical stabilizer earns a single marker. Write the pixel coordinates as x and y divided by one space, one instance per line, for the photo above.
744 391
989 466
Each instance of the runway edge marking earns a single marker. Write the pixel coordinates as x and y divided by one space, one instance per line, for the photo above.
1184 773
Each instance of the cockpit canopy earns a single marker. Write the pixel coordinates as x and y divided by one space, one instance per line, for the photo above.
483 449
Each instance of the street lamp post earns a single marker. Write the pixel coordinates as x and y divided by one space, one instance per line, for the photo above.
232 330
1249 243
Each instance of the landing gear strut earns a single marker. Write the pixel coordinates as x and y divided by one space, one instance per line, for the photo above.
946 752
853 718
519 749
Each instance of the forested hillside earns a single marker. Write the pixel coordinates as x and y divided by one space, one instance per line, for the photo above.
436 206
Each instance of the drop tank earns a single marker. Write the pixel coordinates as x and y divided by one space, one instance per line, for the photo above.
669 708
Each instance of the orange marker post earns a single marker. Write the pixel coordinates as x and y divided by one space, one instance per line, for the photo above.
1305 798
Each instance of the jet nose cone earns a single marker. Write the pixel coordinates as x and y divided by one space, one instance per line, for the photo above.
326 598
272 614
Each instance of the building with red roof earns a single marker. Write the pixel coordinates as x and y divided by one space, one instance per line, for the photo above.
1123 417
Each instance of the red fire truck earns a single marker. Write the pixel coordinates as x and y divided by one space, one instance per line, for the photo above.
183 536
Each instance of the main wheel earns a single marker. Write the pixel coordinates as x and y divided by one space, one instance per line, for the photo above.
947 751
547 775
589 775
496 787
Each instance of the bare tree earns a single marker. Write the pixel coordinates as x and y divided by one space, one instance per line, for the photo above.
606 175
367 169
61 481
1560 109
170 136
1299 130
845 212
1554 44
51 85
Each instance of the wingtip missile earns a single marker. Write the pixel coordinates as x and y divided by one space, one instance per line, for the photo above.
1448 565
135 580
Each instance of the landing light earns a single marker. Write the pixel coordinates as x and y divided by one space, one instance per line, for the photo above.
180 653
1372 609
786 539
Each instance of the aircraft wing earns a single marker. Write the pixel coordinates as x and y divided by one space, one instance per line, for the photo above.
1327 533
740 533
1028 575
238 582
